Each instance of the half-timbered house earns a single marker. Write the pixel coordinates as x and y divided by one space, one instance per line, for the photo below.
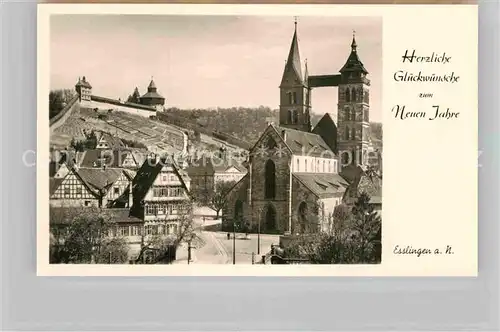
160 195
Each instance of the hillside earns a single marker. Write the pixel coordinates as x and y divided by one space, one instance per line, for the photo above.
247 123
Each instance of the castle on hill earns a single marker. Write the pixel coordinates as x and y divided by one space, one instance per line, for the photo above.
145 105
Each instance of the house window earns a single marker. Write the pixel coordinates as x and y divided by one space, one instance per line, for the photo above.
164 178
116 190
317 166
66 191
172 178
78 190
134 230
294 98
87 203
124 231
305 162
149 230
289 117
347 95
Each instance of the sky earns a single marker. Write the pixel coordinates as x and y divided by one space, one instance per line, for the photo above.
209 61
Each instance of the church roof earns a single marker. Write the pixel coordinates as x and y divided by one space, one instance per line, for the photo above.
323 184
302 142
327 129
353 63
293 63
294 55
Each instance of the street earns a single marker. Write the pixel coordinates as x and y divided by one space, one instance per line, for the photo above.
216 248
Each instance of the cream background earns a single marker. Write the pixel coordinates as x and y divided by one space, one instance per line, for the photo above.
430 167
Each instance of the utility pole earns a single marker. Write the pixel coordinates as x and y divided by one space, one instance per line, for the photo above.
258 237
234 242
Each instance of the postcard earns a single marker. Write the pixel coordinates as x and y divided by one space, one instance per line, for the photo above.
255 140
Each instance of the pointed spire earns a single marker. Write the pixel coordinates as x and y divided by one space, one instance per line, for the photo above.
306 72
294 54
353 63
353 44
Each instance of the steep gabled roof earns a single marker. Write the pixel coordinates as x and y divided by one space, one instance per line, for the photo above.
54 184
308 143
98 178
327 129
147 174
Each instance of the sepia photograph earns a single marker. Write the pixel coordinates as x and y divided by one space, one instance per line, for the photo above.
205 139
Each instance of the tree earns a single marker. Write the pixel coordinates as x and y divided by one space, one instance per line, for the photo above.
135 97
82 236
353 237
217 198
58 100
187 231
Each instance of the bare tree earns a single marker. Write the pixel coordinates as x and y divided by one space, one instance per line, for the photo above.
187 231
83 236
217 199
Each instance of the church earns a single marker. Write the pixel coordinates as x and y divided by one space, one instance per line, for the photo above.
294 176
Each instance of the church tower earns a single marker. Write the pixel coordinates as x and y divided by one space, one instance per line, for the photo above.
353 116
295 103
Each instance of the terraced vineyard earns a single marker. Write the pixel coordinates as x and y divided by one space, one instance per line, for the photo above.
155 135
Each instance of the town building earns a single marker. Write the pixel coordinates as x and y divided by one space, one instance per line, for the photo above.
293 182
160 192
92 187
207 171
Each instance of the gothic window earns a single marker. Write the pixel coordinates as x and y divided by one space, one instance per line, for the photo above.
289 94
294 98
365 97
353 133
270 180
345 158
347 133
347 113
354 94
271 143
347 95
353 115
295 116
366 115
289 117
